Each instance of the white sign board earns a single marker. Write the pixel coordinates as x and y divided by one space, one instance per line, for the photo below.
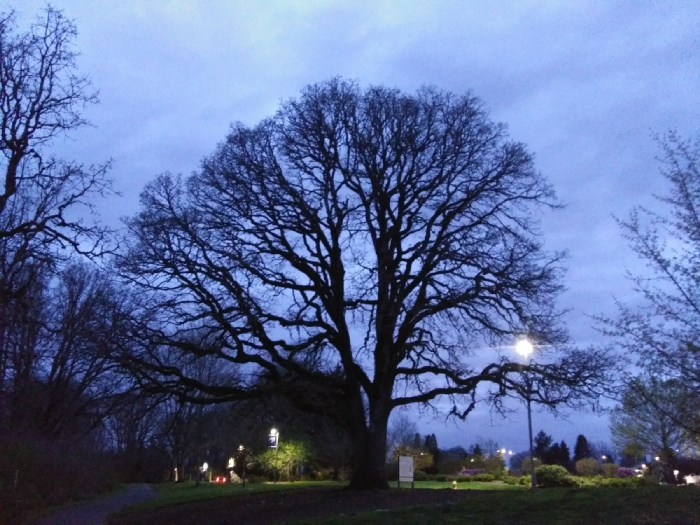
406 468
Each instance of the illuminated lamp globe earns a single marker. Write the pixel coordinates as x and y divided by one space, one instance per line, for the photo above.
524 347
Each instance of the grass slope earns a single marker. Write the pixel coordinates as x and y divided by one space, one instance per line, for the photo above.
187 492
615 506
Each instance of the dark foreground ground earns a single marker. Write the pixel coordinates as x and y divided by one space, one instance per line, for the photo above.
650 505
288 506
96 512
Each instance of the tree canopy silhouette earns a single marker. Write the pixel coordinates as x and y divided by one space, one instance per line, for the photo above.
376 244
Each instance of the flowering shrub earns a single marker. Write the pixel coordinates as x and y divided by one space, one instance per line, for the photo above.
624 472
471 471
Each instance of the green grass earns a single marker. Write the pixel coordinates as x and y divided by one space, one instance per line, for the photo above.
604 505
471 485
176 493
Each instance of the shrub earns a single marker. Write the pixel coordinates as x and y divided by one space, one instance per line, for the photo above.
439 477
252 478
510 480
579 482
553 476
526 464
483 477
495 465
471 471
525 480
625 472
609 470
587 467
450 465
419 475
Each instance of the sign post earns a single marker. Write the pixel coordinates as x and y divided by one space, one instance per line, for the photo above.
405 470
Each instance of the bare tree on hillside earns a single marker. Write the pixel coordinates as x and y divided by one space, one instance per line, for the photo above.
406 219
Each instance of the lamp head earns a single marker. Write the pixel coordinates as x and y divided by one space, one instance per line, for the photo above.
524 347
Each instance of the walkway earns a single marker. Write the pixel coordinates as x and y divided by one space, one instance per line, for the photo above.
96 512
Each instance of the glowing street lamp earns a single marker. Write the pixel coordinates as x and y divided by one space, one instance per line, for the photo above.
273 442
525 348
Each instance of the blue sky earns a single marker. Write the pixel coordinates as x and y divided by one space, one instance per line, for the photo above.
585 84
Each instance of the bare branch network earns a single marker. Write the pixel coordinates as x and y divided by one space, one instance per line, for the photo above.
368 231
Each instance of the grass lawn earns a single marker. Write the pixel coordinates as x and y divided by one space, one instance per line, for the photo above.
175 493
602 505
472 485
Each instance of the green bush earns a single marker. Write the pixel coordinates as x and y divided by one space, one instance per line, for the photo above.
450 465
419 475
609 470
525 480
553 476
510 480
440 477
483 477
252 478
588 467
525 467
476 477
495 466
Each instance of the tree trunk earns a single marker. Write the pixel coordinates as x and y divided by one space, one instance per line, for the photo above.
369 451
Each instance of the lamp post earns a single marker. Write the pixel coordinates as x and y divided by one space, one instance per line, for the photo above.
241 453
273 442
525 348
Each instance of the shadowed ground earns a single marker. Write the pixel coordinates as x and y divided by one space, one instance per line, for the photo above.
95 512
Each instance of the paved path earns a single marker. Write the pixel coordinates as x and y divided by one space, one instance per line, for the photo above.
95 512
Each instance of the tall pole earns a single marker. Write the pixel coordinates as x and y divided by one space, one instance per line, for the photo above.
533 476
241 450
277 466
525 348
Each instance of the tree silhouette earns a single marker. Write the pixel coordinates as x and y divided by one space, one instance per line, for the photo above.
367 241
582 450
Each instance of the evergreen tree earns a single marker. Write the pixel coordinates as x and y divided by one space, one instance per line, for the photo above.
431 445
552 455
564 455
542 443
416 441
582 450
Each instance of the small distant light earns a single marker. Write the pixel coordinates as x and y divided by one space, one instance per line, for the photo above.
657 458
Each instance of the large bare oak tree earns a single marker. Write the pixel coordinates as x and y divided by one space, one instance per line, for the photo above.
364 242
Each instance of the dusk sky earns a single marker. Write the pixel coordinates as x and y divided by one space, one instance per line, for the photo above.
584 84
